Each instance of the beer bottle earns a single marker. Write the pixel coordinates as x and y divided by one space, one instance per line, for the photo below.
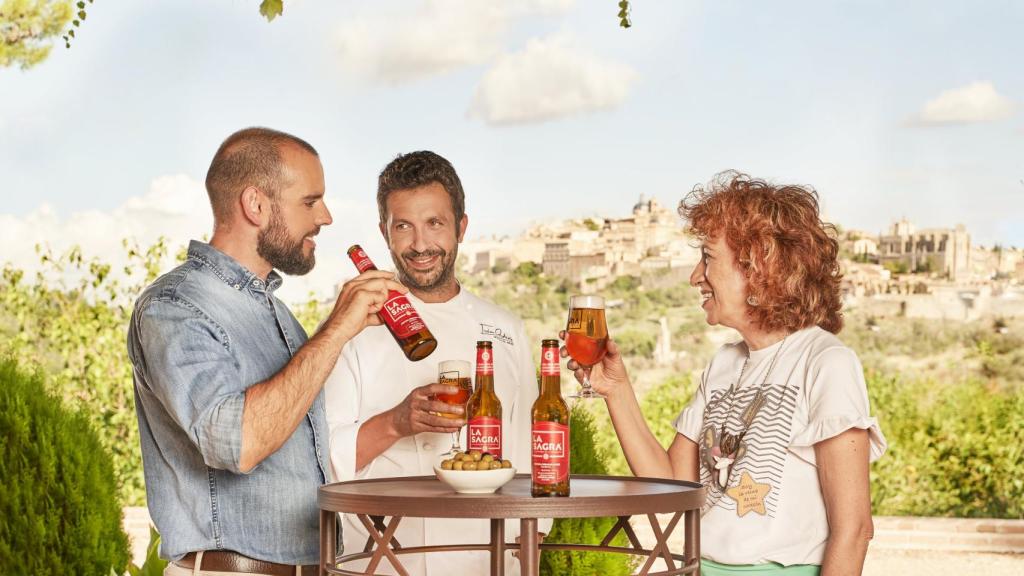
484 408
399 316
549 435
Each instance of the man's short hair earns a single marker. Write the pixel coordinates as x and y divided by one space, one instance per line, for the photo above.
249 157
417 169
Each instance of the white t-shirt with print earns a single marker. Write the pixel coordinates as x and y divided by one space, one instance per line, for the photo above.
373 375
764 501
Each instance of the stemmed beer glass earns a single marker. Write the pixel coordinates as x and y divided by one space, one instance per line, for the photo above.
586 338
455 373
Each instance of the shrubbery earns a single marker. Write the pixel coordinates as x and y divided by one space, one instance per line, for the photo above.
955 449
72 321
660 406
59 510
954 424
585 458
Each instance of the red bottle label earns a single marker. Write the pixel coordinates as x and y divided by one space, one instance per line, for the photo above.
550 452
485 435
361 260
484 361
399 314
549 362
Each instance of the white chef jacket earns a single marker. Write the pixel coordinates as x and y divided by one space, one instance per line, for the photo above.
373 375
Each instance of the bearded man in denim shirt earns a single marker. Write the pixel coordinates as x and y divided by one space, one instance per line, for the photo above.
228 390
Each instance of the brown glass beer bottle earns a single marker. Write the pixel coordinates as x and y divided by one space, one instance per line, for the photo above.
549 435
399 316
484 408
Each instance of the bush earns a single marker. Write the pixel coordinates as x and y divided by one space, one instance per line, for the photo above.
660 406
635 343
59 511
955 449
585 458
71 319
663 403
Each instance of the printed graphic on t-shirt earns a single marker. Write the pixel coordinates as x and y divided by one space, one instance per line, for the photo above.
743 447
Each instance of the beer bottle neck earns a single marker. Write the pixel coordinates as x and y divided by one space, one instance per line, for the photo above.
551 386
485 383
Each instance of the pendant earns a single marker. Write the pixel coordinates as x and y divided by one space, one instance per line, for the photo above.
723 465
720 451
749 495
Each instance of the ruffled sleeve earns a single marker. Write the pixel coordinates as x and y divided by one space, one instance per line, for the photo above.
837 400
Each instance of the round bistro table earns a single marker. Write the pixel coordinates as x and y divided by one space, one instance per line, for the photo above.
376 501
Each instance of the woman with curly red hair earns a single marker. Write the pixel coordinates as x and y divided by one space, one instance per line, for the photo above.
779 431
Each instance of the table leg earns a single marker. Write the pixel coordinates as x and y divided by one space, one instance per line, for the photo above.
691 532
497 547
529 551
383 545
623 525
328 538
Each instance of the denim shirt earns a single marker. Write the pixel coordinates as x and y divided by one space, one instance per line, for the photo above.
199 337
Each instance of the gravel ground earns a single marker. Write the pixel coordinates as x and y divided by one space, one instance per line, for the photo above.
888 562
881 560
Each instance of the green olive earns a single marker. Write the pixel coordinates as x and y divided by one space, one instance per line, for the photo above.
486 458
506 463
495 465
469 465
457 465
447 464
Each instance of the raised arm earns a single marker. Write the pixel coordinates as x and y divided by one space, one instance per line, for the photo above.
644 453
273 408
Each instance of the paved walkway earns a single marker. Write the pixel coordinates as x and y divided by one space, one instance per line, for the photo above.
902 546
911 546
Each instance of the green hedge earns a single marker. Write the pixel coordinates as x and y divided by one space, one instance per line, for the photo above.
660 406
59 511
585 458
955 449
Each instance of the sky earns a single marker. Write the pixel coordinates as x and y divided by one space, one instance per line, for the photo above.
547 109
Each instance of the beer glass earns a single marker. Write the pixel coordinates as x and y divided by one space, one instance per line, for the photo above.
455 373
586 337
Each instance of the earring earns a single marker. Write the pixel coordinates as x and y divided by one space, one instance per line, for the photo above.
752 301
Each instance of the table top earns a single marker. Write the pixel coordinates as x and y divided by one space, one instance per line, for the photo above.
590 496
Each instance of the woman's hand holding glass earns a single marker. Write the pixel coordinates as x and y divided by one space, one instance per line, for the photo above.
608 377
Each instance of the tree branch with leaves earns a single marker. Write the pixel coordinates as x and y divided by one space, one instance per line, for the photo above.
28 28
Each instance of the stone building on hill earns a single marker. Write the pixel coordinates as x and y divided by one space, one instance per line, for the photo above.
942 251
591 252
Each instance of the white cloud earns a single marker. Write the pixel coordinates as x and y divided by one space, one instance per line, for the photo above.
550 78
436 37
174 206
970 104
177 208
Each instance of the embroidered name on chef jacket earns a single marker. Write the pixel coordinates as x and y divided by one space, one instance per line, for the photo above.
496 333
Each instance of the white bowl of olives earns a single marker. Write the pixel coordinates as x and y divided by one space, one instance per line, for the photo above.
474 472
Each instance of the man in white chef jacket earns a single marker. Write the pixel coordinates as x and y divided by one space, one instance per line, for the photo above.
378 405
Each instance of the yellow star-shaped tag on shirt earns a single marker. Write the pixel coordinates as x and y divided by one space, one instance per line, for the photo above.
749 495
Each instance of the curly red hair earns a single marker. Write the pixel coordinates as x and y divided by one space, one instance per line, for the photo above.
788 254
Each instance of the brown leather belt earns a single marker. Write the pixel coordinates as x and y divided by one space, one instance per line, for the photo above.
228 561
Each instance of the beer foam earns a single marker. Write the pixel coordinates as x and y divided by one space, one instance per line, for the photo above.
455 369
587 301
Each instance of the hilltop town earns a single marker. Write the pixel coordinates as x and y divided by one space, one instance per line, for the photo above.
926 273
